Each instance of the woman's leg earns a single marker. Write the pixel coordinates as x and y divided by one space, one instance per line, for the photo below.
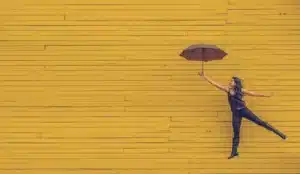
252 117
236 125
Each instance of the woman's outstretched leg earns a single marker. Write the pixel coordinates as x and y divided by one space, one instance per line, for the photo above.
252 117
236 125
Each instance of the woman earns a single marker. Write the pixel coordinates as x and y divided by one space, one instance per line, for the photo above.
235 93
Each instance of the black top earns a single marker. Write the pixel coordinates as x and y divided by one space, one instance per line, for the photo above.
236 101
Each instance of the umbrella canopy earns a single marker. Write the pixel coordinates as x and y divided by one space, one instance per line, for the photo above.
203 52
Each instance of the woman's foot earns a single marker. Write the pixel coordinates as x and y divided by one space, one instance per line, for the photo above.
282 135
233 155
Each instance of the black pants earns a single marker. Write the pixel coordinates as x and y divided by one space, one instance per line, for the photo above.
236 124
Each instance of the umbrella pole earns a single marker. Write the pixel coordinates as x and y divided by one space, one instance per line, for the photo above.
203 60
202 67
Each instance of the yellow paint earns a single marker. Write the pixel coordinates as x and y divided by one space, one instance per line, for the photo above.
97 86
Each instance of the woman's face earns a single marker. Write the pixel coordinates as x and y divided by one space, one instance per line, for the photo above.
231 83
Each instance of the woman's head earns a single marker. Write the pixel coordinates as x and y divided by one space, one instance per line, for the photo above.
236 83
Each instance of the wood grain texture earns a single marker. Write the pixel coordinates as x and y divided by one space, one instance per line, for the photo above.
98 87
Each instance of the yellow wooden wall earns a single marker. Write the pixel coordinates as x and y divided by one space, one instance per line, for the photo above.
97 86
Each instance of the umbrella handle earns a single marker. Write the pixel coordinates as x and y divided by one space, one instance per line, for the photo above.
202 67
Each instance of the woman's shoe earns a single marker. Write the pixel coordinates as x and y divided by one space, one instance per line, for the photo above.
233 155
281 135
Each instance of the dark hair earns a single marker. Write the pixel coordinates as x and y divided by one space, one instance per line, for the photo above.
238 85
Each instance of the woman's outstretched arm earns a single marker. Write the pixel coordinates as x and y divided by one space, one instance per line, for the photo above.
250 93
221 87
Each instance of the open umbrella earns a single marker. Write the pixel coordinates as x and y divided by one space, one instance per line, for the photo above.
203 52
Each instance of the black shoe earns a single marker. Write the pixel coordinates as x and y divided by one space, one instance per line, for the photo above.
233 155
282 135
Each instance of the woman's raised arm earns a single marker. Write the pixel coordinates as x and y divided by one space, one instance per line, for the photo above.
219 86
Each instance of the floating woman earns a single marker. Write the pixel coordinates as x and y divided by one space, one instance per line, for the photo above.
239 109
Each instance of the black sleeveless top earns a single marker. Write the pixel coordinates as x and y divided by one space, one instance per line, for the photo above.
236 101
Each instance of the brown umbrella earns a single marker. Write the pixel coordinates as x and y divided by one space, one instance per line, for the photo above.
203 52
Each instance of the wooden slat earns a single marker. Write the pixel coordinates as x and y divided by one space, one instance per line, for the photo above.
37 17
113 23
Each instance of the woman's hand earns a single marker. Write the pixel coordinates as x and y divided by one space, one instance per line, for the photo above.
266 95
270 95
201 74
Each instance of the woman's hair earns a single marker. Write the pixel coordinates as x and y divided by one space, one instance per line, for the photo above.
238 84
